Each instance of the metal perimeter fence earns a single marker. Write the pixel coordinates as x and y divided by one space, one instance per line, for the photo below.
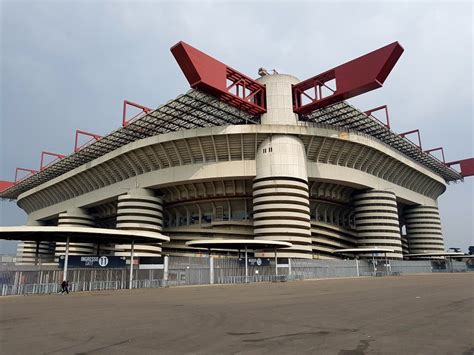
46 279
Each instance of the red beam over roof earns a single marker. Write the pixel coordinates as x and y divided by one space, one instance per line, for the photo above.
353 78
429 151
55 155
216 78
385 109
417 131
29 171
4 185
125 120
466 165
92 136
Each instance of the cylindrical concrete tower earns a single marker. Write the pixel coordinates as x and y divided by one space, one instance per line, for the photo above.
424 232
29 252
279 99
280 189
377 225
77 217
140 210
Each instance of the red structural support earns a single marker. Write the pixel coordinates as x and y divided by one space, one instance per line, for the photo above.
385 109
126 103
417 131
353 78
216 78
29 171
55 155
466 165
435 149
93 137
5 185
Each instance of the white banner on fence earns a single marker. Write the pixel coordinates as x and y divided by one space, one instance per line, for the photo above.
151 266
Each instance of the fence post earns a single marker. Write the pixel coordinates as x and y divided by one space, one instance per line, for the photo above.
130 286
211 269
19 282
165 269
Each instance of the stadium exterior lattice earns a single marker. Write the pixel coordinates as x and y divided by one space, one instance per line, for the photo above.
236 158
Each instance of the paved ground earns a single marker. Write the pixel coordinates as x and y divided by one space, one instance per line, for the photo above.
425 314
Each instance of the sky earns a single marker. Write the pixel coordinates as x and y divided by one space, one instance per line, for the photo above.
68 65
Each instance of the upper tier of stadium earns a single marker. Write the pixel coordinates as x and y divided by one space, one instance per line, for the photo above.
196 109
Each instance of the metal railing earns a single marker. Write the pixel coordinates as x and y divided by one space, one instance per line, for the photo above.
29 280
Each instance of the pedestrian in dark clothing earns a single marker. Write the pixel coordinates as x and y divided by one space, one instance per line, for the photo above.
64 287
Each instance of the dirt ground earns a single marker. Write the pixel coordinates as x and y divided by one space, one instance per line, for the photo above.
422 314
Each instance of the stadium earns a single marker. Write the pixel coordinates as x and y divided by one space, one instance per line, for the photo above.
269 159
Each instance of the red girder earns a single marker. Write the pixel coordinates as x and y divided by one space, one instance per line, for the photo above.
417 131
30 171
4 185
435 149
55 155
353 78
466 165
214 77
126 103
93 136
387 118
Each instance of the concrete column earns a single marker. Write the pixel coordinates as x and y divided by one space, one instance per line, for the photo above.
66 259
423 228
377 225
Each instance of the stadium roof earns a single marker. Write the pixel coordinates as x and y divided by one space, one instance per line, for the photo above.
344 115
196 109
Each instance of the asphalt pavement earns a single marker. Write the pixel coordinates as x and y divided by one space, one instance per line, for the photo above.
413 314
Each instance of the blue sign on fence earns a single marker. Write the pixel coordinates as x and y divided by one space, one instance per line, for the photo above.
90 261
252 261
256 261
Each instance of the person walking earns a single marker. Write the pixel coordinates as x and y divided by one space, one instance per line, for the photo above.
64 287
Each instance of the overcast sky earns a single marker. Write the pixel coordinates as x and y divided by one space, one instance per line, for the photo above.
67 65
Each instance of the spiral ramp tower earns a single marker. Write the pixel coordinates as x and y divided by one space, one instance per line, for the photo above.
77 217
424 233
30 252
280 188
139 210
376 216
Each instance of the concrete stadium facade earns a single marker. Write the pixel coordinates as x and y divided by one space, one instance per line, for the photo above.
319 186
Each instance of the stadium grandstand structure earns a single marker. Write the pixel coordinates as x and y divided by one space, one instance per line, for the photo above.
236 158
